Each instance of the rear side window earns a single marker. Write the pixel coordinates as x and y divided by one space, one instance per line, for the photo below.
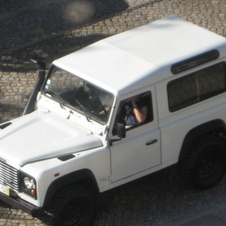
196 87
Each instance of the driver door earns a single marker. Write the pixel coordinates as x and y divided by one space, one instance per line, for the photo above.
140 149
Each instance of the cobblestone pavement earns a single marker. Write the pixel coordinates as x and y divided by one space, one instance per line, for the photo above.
52 29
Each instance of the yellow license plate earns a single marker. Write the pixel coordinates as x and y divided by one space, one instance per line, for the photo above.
4 190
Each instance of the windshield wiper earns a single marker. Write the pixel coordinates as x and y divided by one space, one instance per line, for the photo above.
83 109
62 103
61 100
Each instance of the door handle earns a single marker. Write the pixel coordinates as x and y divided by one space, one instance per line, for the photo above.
152 142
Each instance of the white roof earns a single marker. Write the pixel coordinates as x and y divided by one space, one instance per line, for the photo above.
130 60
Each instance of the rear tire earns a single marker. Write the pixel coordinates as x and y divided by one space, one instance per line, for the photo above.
72 206
205 163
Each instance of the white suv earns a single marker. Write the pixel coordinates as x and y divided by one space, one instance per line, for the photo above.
115 111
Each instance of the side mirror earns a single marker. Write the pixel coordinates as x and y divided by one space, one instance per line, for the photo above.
121 131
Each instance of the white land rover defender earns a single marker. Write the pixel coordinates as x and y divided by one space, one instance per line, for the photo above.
74 139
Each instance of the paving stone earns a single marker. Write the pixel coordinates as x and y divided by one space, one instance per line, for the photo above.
155 200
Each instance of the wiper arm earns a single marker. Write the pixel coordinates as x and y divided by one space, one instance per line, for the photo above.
62 102
83 109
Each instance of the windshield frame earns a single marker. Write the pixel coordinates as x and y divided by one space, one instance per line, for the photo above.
100 116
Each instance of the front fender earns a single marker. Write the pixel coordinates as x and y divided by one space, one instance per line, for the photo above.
84 177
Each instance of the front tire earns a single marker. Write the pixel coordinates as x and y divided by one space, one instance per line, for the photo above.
205 163
72 206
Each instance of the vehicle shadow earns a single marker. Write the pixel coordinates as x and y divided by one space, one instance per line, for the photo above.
154 200
49 50
9 111
18 74
37 20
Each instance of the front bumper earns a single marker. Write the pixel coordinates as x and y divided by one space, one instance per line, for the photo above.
23 205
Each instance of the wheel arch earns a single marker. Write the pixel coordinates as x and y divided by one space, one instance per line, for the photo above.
215 126
83 177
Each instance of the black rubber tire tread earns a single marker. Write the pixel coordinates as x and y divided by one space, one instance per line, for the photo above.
205 163
66 196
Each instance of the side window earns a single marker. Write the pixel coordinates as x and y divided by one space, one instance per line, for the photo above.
197 87
134 111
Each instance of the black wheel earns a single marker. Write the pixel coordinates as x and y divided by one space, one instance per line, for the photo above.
72 206
205 163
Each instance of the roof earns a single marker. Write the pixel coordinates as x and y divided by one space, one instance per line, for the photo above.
135 58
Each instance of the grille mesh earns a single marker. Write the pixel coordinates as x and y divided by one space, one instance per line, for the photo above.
8 176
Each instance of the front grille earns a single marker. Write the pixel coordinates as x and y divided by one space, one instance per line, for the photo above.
8 176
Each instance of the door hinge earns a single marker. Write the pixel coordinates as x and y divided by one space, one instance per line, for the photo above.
111 178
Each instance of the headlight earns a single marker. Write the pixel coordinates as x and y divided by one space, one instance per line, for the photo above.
28 185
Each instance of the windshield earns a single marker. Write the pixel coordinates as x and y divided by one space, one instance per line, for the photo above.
82 96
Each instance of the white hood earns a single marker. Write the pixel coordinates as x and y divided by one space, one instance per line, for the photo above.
40 136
